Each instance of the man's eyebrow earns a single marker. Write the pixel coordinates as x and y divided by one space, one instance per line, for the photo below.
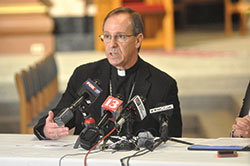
115 33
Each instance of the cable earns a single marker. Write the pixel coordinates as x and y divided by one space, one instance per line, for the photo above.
85 159
160 141
180 141
134 155
75 154
60 160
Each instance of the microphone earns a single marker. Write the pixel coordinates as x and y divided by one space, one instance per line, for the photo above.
133 109
162 114
88 93
109 110
145 139
90 135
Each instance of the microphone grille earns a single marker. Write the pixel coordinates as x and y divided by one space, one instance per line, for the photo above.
143 99
145 138
119 96
97 82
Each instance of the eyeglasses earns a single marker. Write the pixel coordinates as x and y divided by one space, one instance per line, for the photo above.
121 38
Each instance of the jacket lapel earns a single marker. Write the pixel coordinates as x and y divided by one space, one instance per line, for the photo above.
142 83
102 73
246 103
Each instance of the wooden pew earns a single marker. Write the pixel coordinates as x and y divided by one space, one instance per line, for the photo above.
38 92
239 7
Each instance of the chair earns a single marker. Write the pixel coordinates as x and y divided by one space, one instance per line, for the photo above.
47 75
52 77
40 70
52 91
38 92
36 89
25 101
158 17
236 7
181 7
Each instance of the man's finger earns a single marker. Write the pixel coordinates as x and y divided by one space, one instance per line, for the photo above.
244 123
247 117
58 132
50 117
63 132
52 125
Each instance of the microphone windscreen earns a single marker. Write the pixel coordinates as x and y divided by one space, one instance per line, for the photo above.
145 139
140 109
97 82
111 106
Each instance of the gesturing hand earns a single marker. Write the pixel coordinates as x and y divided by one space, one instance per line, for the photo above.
52 130
242 127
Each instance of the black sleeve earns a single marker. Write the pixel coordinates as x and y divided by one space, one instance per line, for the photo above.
69 96
246 103
175 122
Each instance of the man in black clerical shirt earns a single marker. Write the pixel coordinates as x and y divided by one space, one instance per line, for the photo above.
123 73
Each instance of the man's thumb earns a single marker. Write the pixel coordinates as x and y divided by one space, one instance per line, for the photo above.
50 117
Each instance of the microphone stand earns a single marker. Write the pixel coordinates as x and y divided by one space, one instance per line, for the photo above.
179 141
129 128
160 141
164 134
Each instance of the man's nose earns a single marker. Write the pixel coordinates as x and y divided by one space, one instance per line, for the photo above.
113 41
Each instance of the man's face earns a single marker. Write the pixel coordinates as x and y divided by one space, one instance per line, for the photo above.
121 50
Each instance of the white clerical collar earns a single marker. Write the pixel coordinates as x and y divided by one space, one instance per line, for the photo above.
121 72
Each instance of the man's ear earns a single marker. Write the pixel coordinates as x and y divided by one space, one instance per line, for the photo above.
139 39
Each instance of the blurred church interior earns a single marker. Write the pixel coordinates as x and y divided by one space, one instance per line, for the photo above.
209 59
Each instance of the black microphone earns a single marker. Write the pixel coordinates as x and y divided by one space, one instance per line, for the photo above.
90 136
88 93
133 109
162 113
145 139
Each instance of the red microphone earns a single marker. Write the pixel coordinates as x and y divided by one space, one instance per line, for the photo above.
109 110
112 105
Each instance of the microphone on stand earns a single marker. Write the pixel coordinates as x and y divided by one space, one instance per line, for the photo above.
87 141
163 113
88 93
91 135
109 110
145 139
134 110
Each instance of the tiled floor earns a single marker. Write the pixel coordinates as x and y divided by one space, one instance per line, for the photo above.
212 73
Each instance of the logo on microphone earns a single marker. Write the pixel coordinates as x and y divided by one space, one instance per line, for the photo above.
140 106
162 108
137 100
111 103
89 84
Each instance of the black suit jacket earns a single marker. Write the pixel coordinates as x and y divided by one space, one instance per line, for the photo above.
246 103
155 85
